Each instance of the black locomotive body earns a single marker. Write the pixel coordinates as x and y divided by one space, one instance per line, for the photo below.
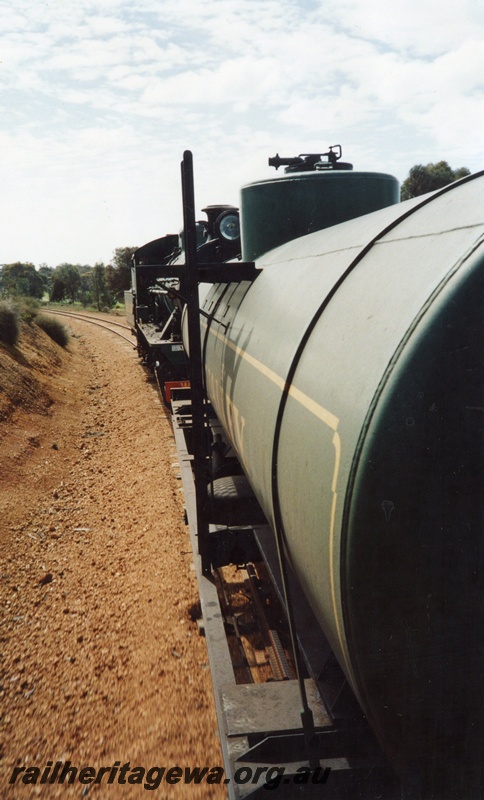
156 299
331 445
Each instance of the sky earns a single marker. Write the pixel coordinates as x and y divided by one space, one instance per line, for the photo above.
99 99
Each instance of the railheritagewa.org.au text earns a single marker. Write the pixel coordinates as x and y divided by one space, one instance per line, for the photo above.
151 778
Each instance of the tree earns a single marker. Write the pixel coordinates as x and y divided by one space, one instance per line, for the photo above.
426 179
58 290
70 277
46 273
99 289
85 292
118 273
22 279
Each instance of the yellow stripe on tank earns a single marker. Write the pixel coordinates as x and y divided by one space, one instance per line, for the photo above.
328 419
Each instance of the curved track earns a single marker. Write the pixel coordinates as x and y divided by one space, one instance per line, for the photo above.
108 325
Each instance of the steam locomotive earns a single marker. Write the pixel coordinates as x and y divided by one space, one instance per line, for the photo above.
332 436
154 303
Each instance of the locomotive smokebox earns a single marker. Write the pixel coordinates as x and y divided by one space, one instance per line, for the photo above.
311 196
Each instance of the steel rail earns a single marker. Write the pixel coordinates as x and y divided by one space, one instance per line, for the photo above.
80 315
95 321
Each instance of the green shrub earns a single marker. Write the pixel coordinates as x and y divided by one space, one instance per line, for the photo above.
28 308
53 328
9 325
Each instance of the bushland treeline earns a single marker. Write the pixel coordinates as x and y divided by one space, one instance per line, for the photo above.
101 286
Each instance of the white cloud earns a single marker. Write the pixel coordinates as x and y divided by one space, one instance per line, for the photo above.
102 96
420 28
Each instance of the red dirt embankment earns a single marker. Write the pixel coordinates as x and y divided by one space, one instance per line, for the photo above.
101 662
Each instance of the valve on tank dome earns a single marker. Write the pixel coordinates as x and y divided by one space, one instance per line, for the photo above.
307 162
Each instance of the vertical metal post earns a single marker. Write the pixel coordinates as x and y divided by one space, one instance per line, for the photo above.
195 361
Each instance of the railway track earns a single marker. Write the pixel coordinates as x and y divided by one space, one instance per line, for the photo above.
110 326
252 614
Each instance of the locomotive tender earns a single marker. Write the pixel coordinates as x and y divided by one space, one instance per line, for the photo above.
343 368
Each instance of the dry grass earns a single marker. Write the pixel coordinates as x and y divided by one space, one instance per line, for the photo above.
53 328
9 324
